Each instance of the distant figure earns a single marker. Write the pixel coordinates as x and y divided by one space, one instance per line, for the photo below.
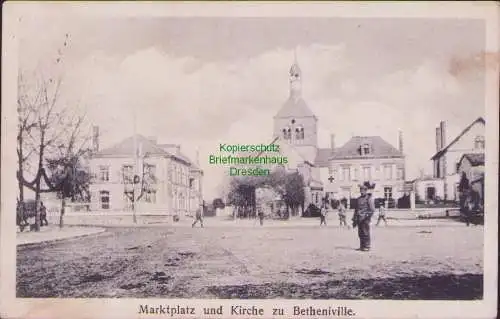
199 216
322 215
381 215
261 216
365 207
43 215
342 214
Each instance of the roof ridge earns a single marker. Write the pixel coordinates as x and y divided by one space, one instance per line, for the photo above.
465 130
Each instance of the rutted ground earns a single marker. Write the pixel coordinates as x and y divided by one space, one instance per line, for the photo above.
253 262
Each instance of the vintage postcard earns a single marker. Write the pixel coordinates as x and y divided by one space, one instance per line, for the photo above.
249 160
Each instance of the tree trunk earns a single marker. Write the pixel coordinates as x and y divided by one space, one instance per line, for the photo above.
39 180
63 208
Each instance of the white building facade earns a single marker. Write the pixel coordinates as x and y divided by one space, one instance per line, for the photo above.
446 160
166 181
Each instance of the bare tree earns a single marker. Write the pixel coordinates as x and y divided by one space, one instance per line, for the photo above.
41 120
26 108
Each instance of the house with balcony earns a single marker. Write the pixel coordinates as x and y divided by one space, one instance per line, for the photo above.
139 173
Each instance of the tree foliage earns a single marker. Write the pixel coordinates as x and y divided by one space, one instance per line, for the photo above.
289 185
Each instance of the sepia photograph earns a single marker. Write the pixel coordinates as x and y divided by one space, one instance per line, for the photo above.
215 154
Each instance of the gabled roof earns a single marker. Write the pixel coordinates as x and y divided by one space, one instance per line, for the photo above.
475 159
295 108
379 149
126 148
322 157
148 147
444 150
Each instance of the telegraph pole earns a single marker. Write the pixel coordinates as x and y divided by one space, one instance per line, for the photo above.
136 165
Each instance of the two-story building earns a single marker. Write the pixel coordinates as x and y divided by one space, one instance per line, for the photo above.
366 158
158 176
447 158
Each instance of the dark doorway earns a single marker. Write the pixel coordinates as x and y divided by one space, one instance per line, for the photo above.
431 193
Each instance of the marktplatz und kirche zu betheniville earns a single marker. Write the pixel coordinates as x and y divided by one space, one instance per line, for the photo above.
251 159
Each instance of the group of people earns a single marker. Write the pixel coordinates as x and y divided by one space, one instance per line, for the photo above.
26 210
363 213
364 210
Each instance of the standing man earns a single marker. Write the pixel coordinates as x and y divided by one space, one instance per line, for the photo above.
365 207
199 215
464 191
261 216
322 212
342 213
43 215
381 214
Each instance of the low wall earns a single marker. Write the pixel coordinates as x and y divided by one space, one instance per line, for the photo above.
112 219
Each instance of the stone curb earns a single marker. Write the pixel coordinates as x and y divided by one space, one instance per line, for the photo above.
97 231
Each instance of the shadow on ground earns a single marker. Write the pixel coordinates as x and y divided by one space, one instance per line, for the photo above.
440 287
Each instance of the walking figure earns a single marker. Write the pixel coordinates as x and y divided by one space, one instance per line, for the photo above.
43 215
381 214
365 207
261 217
323 214
199 216
342 213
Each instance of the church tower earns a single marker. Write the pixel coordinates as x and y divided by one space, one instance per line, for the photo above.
295 123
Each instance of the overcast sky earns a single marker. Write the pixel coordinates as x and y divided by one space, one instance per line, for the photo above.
201 81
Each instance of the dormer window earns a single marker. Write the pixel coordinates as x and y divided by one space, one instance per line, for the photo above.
299 133
365 149
479 142
287 133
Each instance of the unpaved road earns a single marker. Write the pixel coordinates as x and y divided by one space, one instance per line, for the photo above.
257 262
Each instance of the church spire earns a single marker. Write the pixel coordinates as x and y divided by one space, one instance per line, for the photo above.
295 77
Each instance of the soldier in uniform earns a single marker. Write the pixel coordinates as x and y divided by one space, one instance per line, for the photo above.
199 215
365 207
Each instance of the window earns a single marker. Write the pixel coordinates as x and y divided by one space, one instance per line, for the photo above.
128 198
367 173
346 174
365 149
479 142
104 197
104 173
401 173
387 172
299 133
287 133
150 172
387 192
150 196
356 174
128 173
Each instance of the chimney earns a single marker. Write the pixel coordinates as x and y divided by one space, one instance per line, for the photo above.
332 141
95 138
438 139
198 157
442 126
178 148
400 141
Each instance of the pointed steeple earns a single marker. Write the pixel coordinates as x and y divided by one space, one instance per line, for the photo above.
295 77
